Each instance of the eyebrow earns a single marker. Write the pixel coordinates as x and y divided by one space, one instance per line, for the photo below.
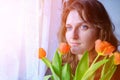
84 22
68 25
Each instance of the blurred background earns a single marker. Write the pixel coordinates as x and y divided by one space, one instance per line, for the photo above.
26 25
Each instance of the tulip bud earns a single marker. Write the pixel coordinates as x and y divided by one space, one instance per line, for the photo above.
42 53
116 58
64 48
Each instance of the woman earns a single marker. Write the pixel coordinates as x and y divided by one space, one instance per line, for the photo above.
83 22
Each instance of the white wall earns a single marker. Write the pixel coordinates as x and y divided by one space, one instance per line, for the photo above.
113 8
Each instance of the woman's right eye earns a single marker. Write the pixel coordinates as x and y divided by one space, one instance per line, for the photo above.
68 28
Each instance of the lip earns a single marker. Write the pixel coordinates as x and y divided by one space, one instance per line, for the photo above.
74 43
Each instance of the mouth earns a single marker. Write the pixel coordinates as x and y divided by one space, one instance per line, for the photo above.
75 43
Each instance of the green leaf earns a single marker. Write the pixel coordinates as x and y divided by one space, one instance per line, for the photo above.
54 75
47 77
108 70
57 63
82 67
107 66
109 74
91 77
92 69
48 63
66 72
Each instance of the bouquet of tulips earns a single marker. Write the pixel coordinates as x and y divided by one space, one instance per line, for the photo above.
84 70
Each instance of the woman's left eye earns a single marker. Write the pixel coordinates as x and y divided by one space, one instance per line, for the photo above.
84 27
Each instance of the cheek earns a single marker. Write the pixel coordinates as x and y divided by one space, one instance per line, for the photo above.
67 36
89 39
90 36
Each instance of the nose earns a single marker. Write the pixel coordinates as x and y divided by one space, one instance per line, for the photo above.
76 33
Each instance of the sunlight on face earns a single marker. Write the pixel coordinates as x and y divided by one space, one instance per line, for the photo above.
79 35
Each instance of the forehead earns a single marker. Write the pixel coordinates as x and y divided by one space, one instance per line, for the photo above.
73 16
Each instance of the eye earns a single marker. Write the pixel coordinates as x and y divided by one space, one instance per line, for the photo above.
68 27
84 27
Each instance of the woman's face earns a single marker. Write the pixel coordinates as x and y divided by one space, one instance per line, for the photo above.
79 35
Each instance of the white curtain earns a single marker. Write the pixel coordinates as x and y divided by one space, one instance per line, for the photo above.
49 26
19 39
26 25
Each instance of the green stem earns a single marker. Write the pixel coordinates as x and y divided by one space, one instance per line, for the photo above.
95 60
47 62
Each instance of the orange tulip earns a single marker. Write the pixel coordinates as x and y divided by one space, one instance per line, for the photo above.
42 53
116 58
64 48
103 47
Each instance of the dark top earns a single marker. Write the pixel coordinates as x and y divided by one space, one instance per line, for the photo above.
48 72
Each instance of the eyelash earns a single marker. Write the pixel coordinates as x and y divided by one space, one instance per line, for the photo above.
84 27
68 28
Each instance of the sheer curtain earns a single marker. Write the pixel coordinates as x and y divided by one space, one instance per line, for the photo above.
19 39
24 27
49 26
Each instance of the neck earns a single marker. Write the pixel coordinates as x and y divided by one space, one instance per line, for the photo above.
92 55
79 56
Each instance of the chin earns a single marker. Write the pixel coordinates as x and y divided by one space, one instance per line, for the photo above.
76 51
